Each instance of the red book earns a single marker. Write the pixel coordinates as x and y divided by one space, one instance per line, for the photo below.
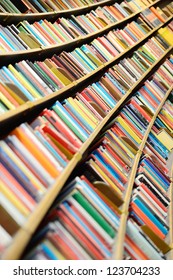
56 121
60 139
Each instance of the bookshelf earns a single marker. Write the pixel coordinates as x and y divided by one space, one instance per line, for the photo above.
23 236
125 212
75 42
26 232
13 17
27 107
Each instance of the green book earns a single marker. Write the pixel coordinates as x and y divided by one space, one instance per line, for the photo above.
94 213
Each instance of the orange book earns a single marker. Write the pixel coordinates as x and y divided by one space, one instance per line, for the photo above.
36 152
158 15
136 249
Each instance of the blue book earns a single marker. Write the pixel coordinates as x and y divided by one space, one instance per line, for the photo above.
154 176
132 120
16 82
148 213
31 30
40 6
8 41
18 174
70 121
151 94
47 251
115 82
78 116
82 62
131 35
85 58
161 145
160 175
104 94
129 111
108 167
145 102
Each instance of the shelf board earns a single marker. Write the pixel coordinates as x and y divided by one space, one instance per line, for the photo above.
10 17
75 42
40 210
119 254
52 96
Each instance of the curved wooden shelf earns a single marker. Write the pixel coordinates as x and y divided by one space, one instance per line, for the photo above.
121 234
32 104
9 17
75 42
34 219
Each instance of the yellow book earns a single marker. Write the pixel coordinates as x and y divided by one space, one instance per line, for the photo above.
168 127
37 184
83 114
167 35
5 101
105 177
165 139
124 147
53 249
29 40
24 81
14 199
87 111
62 148
167 114
14 95
127 128
61 76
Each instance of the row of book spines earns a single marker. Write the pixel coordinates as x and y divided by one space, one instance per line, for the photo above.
154 52
26 6
58 216
36 123
159 183
44 33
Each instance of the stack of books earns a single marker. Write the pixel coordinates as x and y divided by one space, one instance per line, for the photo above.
107 169
44 6
28 80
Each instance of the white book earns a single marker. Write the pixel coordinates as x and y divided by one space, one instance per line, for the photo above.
43 84
12 210
5 238
133 232
137 181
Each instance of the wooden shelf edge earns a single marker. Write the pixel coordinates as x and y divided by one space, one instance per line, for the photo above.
80 39
6 16
125 208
